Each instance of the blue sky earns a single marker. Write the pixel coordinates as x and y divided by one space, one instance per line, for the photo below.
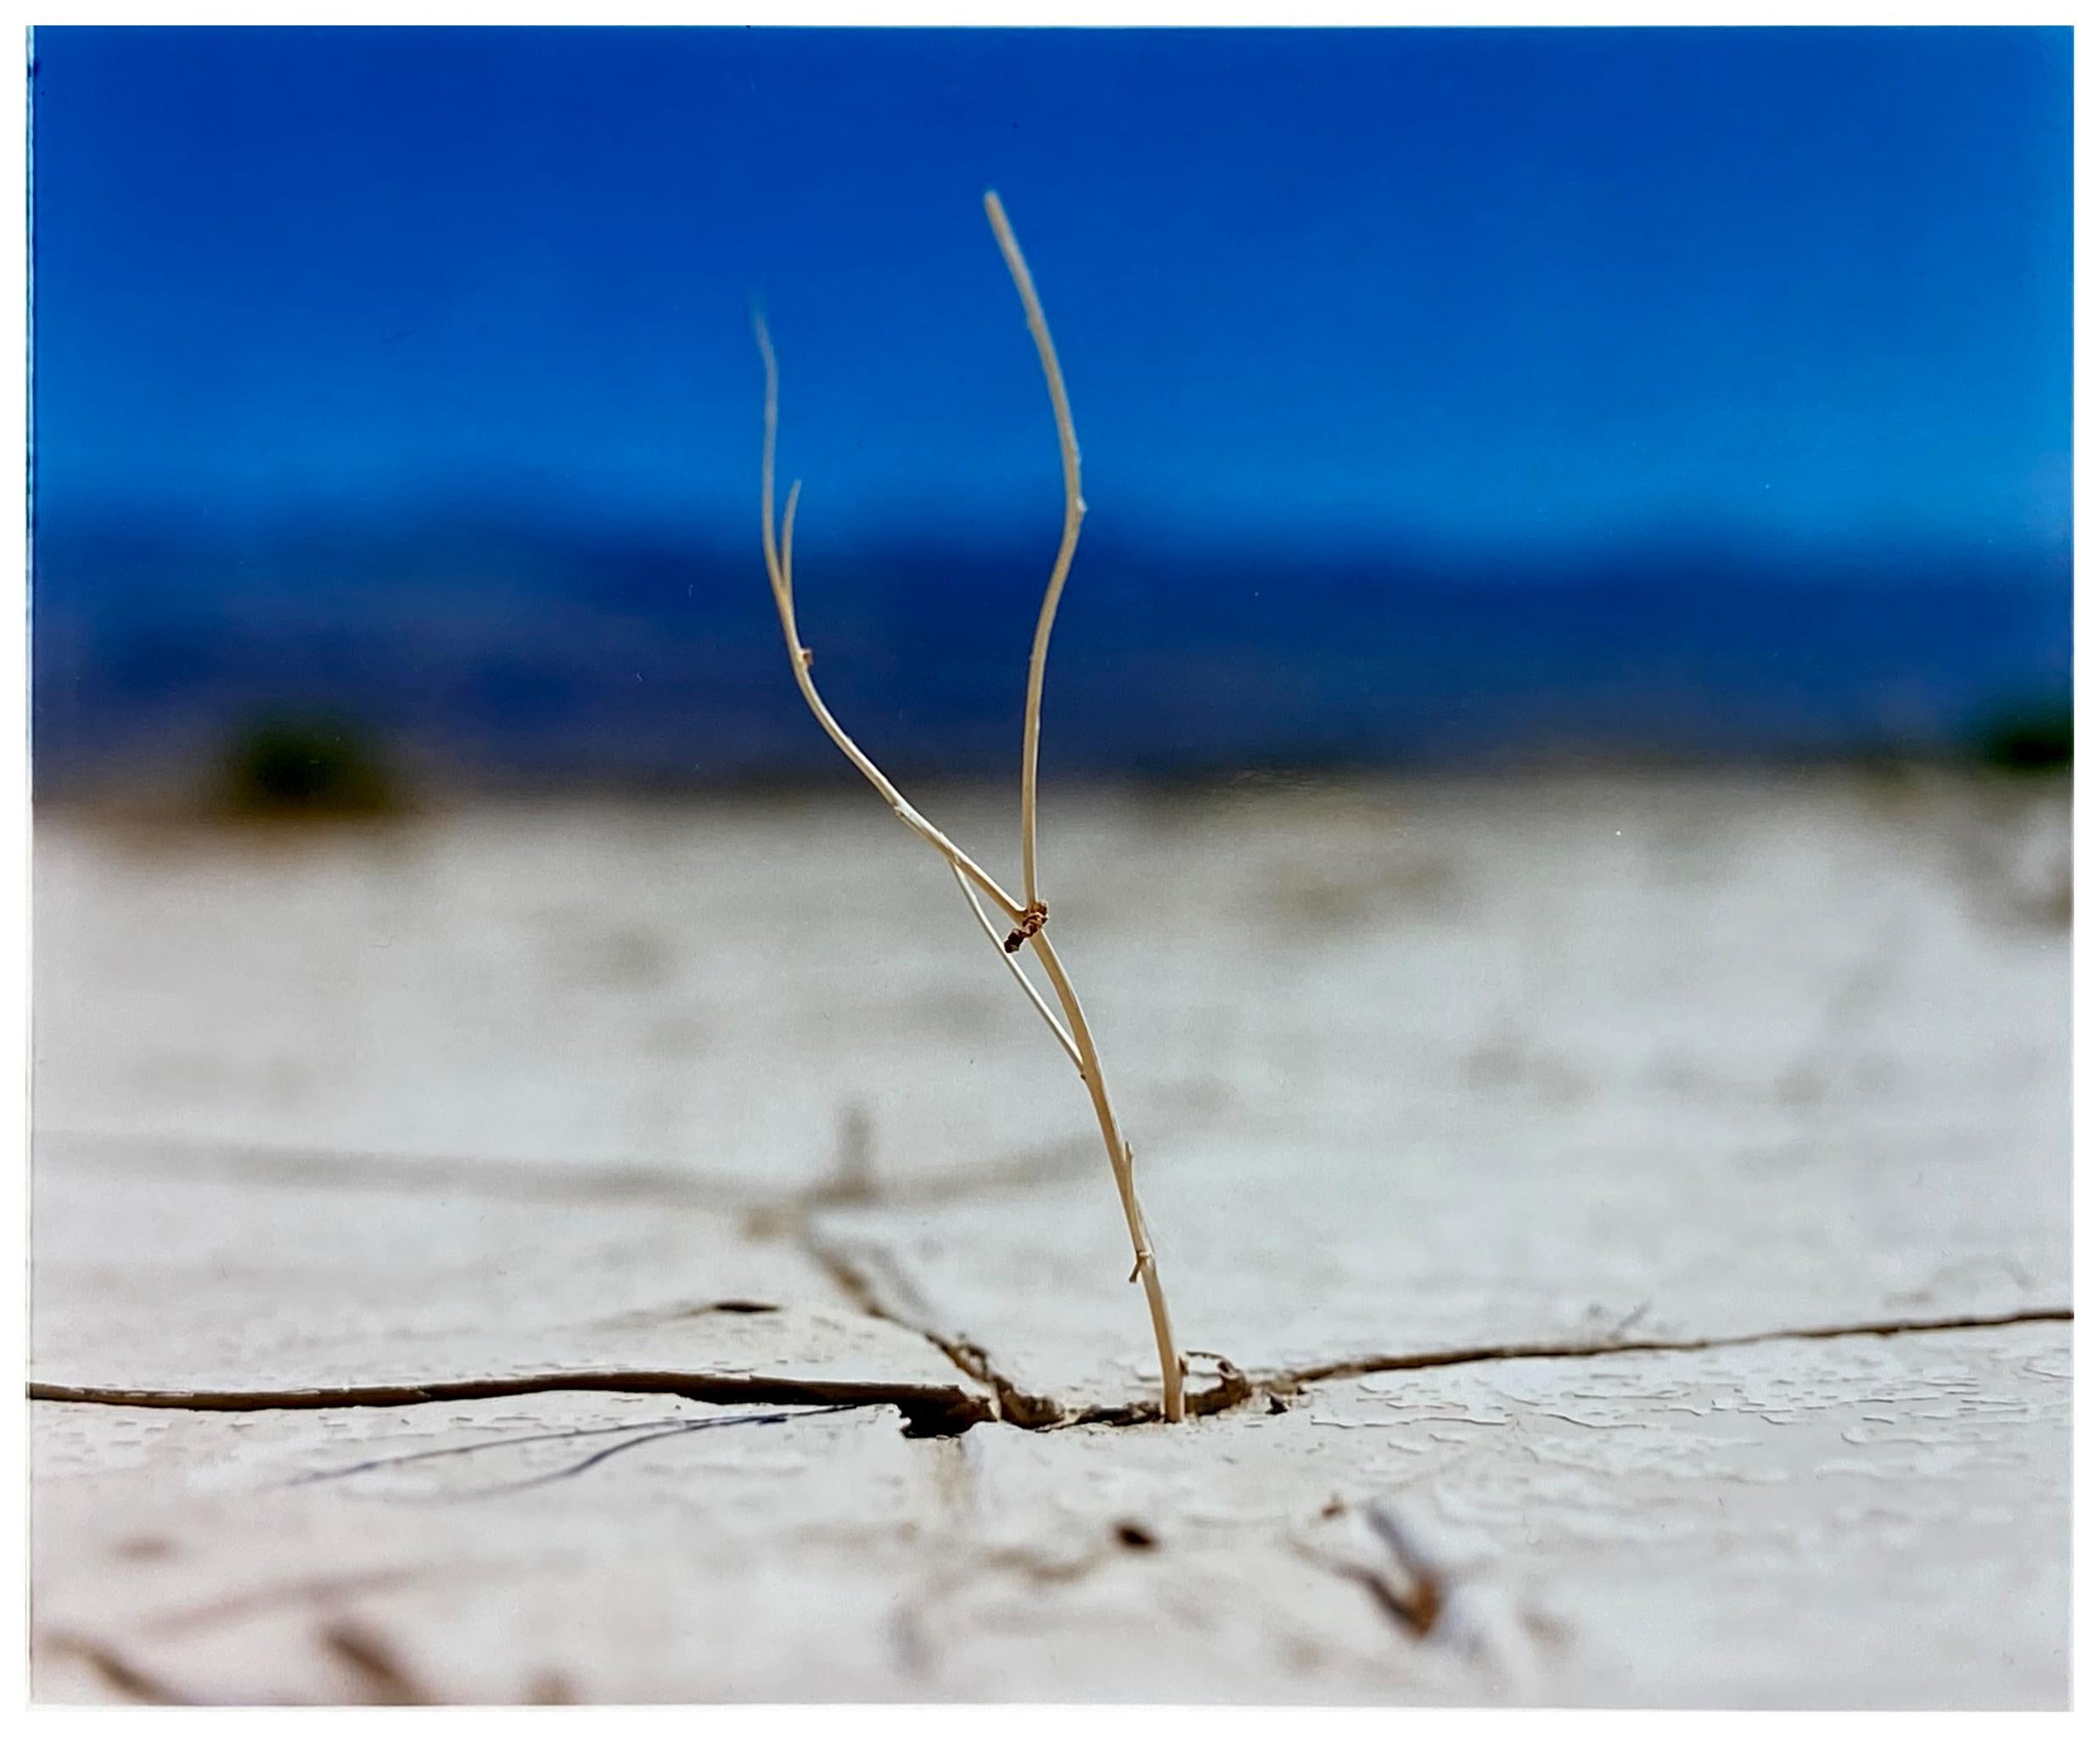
1495 287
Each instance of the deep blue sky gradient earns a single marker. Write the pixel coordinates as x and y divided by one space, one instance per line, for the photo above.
1533 285
1777 299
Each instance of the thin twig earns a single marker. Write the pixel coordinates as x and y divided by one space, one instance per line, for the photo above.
778 556
1147 1265
1068 542
1074 1036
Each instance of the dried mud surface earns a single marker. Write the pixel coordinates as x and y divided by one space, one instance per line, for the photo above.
581 1254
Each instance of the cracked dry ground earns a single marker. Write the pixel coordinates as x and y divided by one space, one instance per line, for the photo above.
562 1253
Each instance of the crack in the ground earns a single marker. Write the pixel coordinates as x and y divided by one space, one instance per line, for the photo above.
931 1411
927 1411
377 1668
116 1669
1290 1381
873 1281
893 1298
633 1435
1434 1593
1234 1388
1011 1404
875 1284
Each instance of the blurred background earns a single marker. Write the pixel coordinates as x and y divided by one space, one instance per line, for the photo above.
1580 523
1447 397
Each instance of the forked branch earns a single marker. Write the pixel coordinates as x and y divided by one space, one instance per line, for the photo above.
780 568
1013 965
1029 917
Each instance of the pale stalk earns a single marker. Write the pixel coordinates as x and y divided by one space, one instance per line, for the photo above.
779 567
1075 510
1147 1267
1077 1041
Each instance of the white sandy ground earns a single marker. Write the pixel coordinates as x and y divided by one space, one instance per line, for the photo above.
1635 1212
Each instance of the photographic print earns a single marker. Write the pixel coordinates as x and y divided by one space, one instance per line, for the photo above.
1051 865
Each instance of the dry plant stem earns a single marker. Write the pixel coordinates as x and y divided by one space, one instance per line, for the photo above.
779 559
1146 1268
1074 1036
1075 510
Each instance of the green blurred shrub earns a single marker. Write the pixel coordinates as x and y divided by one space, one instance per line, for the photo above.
2030 739
285 767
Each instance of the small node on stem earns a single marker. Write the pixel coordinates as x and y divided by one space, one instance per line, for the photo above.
1031 926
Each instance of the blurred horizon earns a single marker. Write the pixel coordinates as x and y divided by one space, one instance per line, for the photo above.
1447 397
